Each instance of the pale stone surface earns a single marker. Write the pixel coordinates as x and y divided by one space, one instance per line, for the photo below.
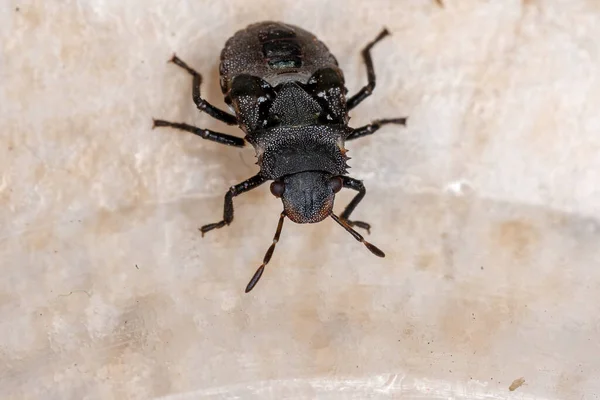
487 205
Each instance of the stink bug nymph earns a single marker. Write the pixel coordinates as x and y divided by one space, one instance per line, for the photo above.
287 94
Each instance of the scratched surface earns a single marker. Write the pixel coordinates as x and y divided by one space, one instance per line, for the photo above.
487 206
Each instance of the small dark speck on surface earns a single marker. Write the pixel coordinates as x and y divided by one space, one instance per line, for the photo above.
440 3
137 266
75 291
17 9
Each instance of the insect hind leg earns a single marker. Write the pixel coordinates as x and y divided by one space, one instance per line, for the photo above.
202 104
368 88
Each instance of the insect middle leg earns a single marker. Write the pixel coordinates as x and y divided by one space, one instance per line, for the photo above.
368 89
202 104
233 191
207 134
357 185
373 127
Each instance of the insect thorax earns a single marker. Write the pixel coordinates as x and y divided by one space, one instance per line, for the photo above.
287 150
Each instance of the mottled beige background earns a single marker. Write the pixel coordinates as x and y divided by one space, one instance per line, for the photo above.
487 205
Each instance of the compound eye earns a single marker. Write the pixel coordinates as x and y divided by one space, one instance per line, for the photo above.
277 188
336 184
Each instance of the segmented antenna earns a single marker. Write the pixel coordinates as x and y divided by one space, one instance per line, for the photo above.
268 255
372 248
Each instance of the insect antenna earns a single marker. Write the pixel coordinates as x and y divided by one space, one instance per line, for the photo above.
268 255
372 248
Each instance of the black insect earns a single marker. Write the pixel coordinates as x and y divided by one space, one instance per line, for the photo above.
289 98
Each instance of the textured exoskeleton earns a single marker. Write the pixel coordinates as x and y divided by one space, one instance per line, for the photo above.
289 97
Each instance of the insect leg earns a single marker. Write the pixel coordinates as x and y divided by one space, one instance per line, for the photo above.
372 248
202 104
233 191
222 138
373 127
368 89
357 185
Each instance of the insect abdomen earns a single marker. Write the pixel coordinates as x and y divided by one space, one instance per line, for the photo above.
275 52
281 47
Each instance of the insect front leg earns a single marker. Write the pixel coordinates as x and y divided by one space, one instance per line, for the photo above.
357 185
374 127
233 191
368 89
202 104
